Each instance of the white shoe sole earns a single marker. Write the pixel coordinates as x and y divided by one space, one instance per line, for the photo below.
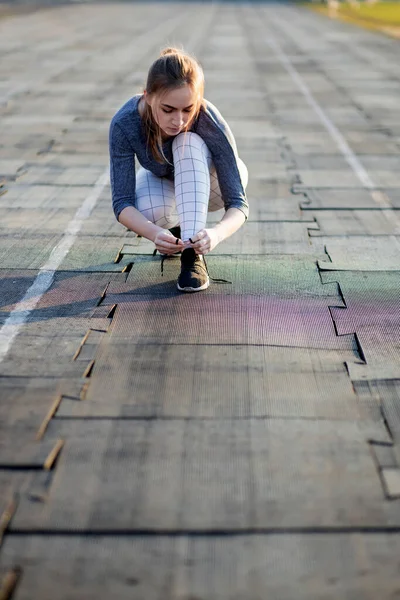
191 289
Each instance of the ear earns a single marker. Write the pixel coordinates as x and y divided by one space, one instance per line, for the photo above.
147 97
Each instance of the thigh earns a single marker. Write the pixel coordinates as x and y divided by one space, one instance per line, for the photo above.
215 202
155 198
153 191
181 142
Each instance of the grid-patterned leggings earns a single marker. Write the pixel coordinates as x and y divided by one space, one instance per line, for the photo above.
193 193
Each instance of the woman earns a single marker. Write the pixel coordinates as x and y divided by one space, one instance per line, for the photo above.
189 166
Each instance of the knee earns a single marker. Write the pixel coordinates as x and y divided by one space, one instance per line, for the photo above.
188 140
161 216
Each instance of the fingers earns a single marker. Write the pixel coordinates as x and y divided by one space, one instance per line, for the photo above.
198 237
201 245
166 243
201 242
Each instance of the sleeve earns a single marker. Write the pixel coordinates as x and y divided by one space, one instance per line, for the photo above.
222 145
122 169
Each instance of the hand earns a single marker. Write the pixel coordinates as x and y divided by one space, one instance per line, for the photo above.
205 240
166 243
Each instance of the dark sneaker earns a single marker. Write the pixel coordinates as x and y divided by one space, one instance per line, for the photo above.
194 276
176 231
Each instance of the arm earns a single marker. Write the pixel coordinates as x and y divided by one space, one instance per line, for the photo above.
232 220
221 142
135 221
122 170
123 187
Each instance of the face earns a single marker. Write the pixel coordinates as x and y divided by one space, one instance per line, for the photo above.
172 109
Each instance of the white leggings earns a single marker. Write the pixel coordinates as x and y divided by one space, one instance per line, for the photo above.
194 192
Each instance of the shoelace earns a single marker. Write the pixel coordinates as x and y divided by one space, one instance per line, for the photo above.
214 280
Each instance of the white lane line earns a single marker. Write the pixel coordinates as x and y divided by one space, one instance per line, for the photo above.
44 279
378 196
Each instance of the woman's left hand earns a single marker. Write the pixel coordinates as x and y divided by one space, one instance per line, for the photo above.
205 240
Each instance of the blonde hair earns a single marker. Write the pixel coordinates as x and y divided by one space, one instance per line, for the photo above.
173 69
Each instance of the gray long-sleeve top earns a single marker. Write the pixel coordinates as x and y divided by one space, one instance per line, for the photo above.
128 139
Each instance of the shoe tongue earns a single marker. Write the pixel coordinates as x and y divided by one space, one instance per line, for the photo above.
188 256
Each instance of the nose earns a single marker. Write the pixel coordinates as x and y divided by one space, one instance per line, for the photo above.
179 120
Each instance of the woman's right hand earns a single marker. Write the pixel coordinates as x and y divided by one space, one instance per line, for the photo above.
166 243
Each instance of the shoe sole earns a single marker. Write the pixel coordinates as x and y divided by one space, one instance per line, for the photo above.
191 289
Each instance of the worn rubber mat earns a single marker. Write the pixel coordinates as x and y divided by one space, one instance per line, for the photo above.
254 128
13 285
71 294
37 174
47 197
354 223
346 199
17 451
37 221
372 313
305 115
371 298
12 482
380 347
362 253
88 254
21 252
55 220
95 254
46 349
103 222
55 327
346 178
379 162
25 145
43 358
25 402
219 381
276 276
389 395
274 209
11 168
320 566
236 109
260 189
83 161
202 475
320 142
216 320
